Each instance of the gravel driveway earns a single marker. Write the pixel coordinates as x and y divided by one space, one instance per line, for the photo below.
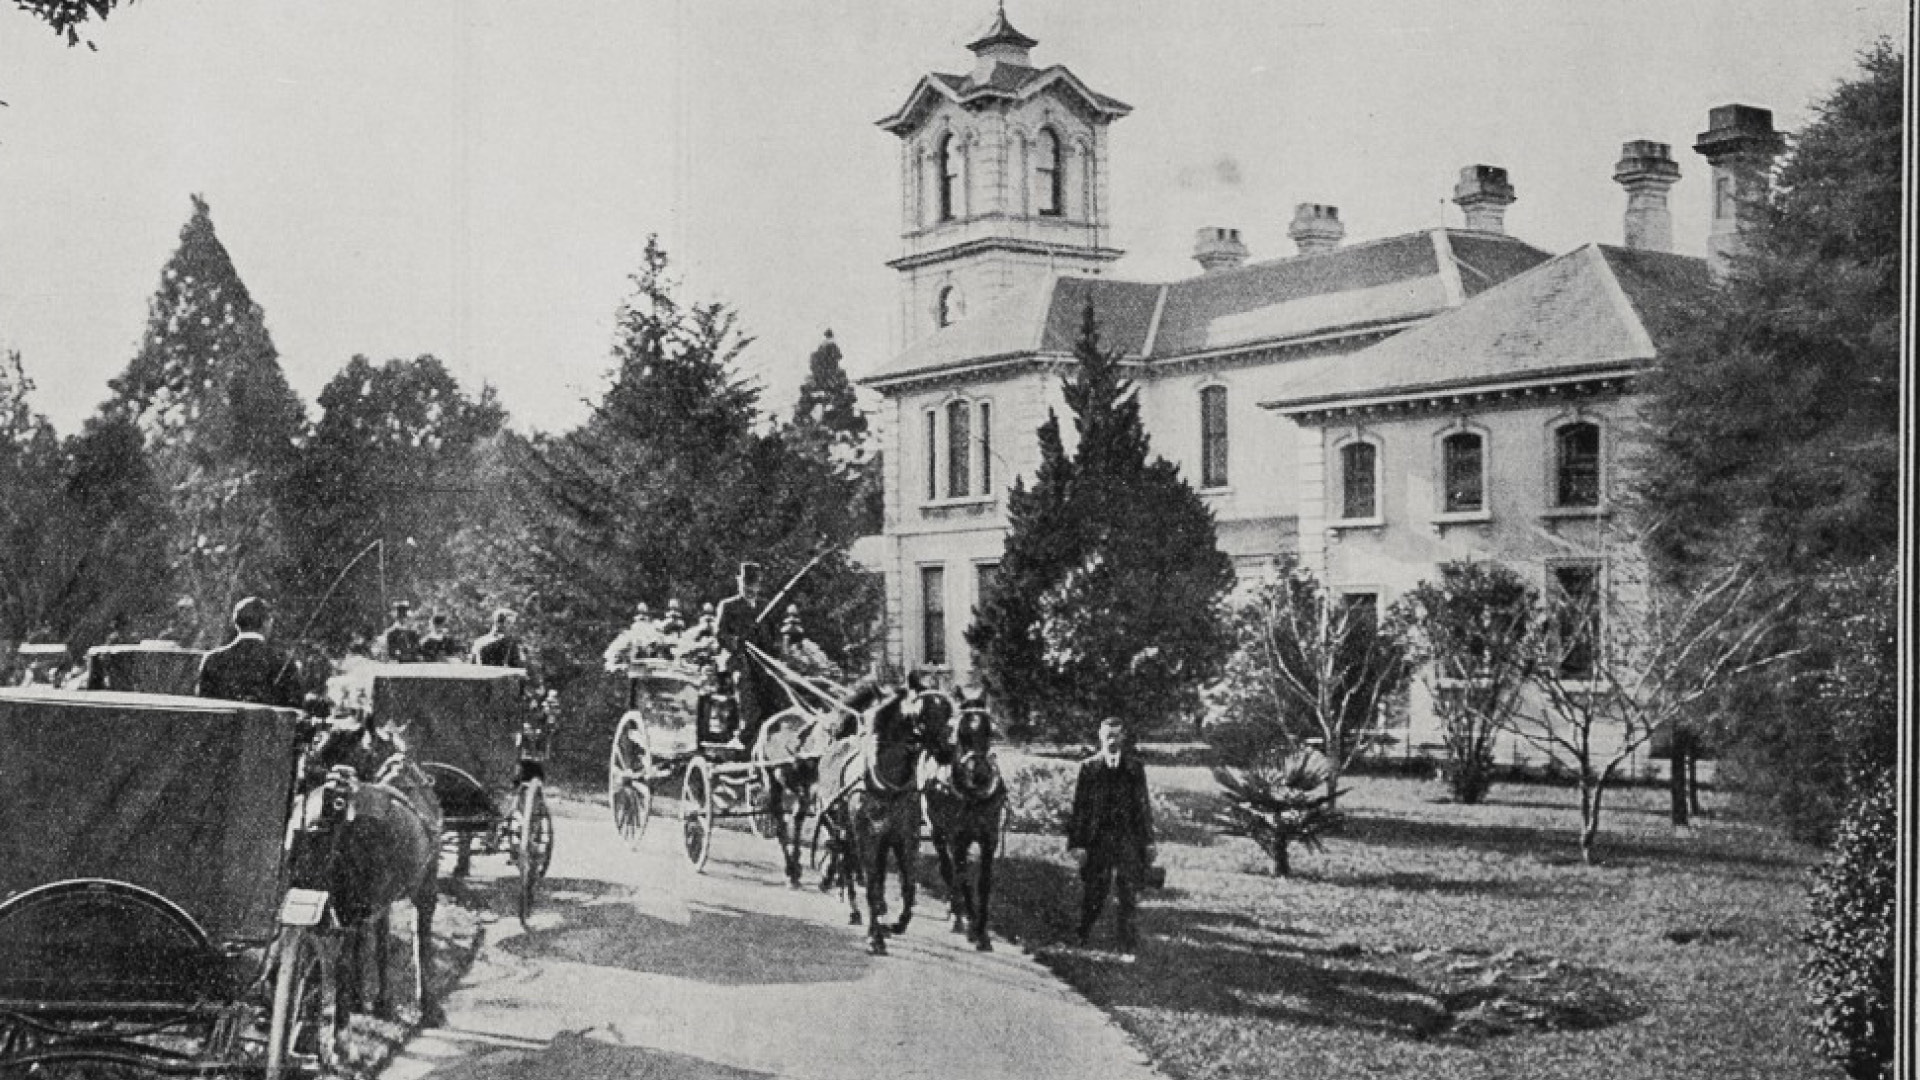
635 967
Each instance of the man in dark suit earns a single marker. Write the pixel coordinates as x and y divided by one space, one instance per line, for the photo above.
401 642
738 624
499 647
439 645
1111 832
249 668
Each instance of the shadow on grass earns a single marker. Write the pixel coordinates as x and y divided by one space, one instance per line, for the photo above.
1221 962
1419 882
1553 845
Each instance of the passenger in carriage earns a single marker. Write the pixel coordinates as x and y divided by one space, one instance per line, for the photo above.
673 623
500 647
250 668
401 643
641 640
439 646
697 644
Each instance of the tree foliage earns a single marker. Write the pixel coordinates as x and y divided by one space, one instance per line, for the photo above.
1281 799
220 423
66 17
1104 603
673 481
1479 627
1775 432
392 458
829 426
1851 966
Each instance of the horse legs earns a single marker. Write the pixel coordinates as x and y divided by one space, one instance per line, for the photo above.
463 859
983 891
379 926
904 840
952 870
873 848
425 902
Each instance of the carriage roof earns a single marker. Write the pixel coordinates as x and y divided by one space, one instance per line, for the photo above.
184 796
464 715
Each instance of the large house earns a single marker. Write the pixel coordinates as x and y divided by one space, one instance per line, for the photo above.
1371 409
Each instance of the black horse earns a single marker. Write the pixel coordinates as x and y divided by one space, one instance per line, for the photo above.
966 804
368 833
872 804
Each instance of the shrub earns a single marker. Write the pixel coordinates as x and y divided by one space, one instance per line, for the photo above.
1040 796
1277 802
1851 969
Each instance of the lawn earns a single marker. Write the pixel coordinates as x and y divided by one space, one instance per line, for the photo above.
1442 941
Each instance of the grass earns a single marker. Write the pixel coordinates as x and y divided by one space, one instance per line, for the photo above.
1439 940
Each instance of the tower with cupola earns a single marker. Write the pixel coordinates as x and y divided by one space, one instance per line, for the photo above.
1003 182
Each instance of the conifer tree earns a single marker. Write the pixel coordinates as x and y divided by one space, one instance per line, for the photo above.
829 425
221 423
1106 600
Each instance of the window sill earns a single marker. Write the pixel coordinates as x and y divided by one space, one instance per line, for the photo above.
1343 524
1460 517
1224 489
1574 513
968 500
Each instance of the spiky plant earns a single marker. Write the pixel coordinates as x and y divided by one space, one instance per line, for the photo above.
1280 800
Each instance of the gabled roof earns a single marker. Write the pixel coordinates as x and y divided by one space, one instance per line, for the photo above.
1594 310
1367 285
1015 82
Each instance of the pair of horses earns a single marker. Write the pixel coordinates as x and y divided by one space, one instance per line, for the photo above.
914 754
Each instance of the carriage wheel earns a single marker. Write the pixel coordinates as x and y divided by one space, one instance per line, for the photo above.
534 850
630 779
696 813
304 1029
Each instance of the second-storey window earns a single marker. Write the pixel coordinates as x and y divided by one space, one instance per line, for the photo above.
1359 475
1463 472
1213 437
933 455
959 449
1576 469
986 447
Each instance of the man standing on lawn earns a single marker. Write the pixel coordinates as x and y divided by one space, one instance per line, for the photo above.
1110 832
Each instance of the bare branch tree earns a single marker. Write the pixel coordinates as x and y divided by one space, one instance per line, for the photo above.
1623 658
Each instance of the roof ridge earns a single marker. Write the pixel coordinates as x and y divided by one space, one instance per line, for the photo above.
1622 303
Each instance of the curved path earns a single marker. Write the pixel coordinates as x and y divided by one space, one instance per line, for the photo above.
635 967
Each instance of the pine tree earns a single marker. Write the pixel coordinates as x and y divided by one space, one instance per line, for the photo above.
1105 604
673 481
220 422
828 424
1774 428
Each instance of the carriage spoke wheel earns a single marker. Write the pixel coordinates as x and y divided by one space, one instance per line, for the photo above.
533 849
629 779
696 813
304 1029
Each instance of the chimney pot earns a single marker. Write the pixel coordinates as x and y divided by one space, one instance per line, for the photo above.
1484 193
1316 227
1219 249
1647 169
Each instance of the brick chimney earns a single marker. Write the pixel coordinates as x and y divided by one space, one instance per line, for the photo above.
1647 169
1740 144
1219 249
1316 228
1484 193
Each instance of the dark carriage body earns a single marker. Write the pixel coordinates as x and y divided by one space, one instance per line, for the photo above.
142 873
461 721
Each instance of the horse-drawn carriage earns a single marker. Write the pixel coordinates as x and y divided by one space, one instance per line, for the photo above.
485 745
678 721
146 909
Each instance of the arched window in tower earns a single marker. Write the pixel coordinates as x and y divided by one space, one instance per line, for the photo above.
948 160
1053 175
946 306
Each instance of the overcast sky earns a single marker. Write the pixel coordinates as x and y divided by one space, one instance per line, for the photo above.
477 179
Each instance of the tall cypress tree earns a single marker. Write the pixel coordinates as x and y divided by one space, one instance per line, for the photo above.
1106 600
207 391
